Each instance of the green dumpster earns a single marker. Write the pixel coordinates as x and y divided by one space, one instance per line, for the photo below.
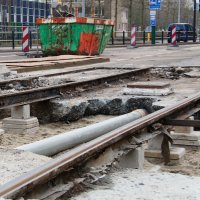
74 35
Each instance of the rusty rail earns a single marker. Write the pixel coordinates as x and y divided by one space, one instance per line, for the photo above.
42 174
44 93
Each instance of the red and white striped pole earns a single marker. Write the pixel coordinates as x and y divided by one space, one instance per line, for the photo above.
25 45
133 36
173 36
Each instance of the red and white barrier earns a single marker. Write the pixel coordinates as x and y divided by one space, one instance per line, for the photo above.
25 46
173 36
133 36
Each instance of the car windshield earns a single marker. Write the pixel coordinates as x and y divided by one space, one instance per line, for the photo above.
179 27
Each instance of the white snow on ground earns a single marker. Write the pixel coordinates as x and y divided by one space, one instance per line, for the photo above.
138 185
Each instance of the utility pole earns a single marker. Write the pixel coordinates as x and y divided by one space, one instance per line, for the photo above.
99 13
194 21
93 9
179 11
130 14
116 14
70 6
46 9
83 8
9 15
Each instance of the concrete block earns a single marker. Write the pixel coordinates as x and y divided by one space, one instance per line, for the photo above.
20 126
155 143
187 142
22 131
2 131
194 136
20 112
184 129
176 153
10 120
134 159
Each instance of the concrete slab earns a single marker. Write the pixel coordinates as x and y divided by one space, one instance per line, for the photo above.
194 136
22 131
151 85
176 153
187 143
10 120
20 126
148 89
148 92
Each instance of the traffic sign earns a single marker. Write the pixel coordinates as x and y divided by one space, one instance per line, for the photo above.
153 22
152 12
155 4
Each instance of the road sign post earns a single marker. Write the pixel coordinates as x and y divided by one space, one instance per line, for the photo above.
153 35
153 5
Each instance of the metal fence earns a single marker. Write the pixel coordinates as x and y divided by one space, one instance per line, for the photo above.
12 36
143 37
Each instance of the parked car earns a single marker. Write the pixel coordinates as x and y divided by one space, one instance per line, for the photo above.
184 32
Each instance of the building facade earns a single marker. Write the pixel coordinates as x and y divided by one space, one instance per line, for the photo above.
116 11
23 12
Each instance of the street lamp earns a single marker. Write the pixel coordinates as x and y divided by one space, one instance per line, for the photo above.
179 11
46 9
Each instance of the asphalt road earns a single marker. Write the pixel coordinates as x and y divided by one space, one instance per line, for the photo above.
157 56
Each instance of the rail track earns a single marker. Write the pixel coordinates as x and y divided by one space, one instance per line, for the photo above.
27 96
53 168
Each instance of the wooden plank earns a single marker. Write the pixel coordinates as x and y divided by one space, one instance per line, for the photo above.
57 65
50 58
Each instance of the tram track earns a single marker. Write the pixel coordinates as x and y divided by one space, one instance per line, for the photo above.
27 96
27 182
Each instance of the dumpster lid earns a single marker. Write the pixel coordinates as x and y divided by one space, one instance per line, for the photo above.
82 20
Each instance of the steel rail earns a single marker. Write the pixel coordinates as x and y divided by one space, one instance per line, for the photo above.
38 94
51 169
30 78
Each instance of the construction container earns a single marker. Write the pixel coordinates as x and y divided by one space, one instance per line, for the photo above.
74 35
